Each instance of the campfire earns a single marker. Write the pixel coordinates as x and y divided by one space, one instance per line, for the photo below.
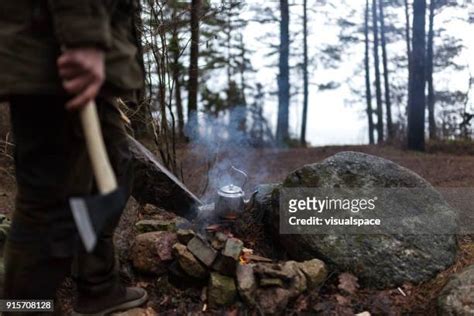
245 257
225 251
230 270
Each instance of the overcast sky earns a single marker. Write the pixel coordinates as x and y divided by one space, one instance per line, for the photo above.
331 118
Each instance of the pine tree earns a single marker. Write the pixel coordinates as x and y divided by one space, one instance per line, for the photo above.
416 97
407 32
429 73
282 133
304 118
368 93
388 103
378 89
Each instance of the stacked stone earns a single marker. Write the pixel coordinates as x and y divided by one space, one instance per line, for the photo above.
151 250
214 261
270 286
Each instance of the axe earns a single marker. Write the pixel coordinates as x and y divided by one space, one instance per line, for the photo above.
92 213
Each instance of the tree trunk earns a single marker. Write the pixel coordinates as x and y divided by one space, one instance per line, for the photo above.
305 73
429 77
388 103
416 93
178 98
368 92
407 33
408 41
243 119
175 49
193 83
140 120
282 133
378 89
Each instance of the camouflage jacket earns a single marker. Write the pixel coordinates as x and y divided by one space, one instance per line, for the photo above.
32 33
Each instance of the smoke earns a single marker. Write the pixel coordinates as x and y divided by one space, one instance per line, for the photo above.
226 142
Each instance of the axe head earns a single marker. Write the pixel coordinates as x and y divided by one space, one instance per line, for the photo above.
93 213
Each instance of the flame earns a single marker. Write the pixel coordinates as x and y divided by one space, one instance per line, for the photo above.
245 256
244 260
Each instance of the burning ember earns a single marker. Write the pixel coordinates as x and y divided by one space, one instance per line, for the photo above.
231 216
245 256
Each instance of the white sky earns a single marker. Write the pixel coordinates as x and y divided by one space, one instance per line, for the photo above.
331 120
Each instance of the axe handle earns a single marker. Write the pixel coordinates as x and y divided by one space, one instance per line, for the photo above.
103 172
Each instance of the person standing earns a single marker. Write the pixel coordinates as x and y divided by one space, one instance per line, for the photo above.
55 57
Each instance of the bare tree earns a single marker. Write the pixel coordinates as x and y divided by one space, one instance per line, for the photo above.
193 83
159 79
407 32
305 73
368 92
137 112
378 89
176 68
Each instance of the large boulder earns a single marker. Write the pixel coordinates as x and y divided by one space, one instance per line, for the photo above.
378 260
457 297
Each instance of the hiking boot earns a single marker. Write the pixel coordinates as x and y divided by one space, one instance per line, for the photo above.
128 298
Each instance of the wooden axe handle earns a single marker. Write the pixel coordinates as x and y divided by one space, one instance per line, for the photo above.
103 172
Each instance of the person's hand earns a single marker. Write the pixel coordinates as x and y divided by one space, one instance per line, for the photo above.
82 71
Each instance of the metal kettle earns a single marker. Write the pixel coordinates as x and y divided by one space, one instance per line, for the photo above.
231 198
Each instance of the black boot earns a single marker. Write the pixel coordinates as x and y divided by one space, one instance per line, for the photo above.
125 298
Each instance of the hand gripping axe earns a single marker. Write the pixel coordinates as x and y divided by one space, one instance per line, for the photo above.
92 213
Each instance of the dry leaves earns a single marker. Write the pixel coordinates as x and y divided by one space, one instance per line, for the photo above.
348 283
342 300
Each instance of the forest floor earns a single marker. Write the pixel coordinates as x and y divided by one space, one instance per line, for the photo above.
272 165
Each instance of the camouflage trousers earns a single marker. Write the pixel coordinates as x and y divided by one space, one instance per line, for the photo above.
52 165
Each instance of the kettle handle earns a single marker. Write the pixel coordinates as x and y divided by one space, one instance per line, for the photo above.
242 173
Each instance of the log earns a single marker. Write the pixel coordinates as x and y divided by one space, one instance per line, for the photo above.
154 184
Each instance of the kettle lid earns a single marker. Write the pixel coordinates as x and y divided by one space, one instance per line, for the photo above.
231 191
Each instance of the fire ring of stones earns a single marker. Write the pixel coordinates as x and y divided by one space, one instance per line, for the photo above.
220 262
232 271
